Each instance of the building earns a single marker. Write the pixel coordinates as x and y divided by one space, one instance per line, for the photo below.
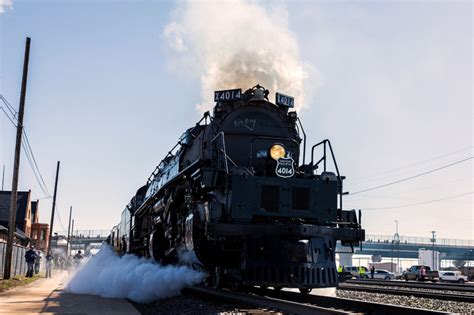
28 228
23 212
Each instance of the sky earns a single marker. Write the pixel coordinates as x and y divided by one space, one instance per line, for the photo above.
389 83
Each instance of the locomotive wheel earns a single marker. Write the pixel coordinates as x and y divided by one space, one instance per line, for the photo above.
305 290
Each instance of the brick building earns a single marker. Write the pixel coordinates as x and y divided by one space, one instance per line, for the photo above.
28 228
23 211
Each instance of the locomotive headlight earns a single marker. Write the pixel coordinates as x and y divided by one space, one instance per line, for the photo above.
277 151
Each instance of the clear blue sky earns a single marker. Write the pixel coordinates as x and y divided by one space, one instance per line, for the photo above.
394 89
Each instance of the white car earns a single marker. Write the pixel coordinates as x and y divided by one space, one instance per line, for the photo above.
383 274
452 276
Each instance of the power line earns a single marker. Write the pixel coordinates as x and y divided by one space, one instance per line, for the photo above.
36 164
27 149
60 221
401 193
411 177
420 203
378 175
28 157
9 106
6 114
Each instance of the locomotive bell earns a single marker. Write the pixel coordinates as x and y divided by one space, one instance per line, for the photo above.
259 93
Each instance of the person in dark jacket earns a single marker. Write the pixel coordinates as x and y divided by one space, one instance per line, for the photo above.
30 258
77 258
372 272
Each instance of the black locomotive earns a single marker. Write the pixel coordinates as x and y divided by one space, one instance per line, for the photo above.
236 197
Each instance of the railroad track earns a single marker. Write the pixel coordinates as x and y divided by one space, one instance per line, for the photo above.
417 285
296 303
409 291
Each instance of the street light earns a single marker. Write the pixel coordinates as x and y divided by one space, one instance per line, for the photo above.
397 239
56 236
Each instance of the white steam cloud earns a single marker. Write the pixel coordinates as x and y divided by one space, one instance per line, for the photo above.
5 4
137 279
236 44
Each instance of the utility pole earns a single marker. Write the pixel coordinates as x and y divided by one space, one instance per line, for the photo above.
69 232
433 240
54 207
16 166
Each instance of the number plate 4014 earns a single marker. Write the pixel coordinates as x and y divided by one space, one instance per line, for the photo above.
227 95
285 167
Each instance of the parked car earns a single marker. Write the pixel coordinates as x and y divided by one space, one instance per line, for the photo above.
355 271
414 273
452 276
384 274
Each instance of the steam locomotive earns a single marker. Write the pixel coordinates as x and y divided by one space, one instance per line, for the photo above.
235 197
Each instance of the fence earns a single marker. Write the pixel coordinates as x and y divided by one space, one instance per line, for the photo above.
18 259
420 240
86 233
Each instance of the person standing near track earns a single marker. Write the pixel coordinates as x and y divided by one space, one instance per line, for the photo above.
30 258
372 271
49 265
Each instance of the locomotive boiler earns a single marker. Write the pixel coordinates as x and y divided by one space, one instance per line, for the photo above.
240 197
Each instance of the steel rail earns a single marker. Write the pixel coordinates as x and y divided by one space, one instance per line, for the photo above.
357 306
424 294
431 286
286 306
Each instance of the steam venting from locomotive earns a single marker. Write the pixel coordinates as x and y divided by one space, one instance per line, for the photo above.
131 277
233 44
5 4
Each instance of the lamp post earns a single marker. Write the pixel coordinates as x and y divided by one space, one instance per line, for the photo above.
397 239
56 237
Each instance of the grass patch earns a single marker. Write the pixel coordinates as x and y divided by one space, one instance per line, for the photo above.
18 281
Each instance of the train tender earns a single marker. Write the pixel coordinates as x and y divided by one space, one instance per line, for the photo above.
236 197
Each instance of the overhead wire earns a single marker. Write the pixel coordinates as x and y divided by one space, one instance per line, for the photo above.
419 203
27 149
9 106
411 177
401 193
59 218
379 175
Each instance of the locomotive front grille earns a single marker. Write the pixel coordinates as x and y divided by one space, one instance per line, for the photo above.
300 198
270 198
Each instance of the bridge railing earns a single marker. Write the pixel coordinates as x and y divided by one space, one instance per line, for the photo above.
419 240
86 233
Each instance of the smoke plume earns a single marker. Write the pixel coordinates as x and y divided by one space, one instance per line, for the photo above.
137 279
5 4
236 44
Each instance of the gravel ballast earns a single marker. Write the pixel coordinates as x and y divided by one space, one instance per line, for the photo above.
410 301
186 304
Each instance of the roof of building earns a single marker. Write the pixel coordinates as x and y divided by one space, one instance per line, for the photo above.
22 204
19 233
